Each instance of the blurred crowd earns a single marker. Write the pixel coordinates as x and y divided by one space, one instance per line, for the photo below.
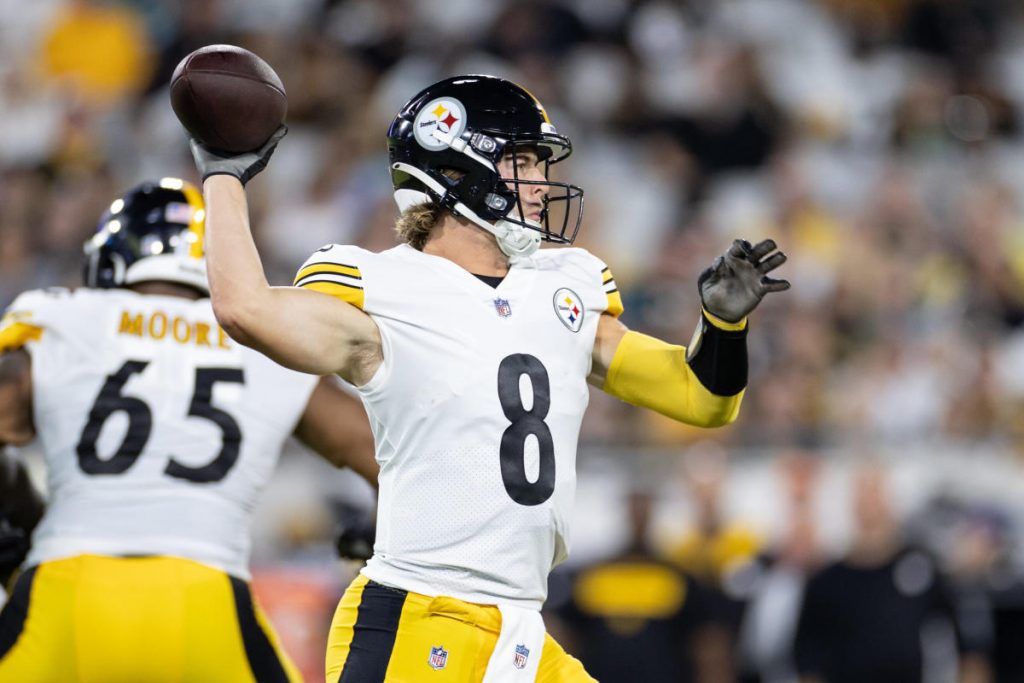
879 142
928 591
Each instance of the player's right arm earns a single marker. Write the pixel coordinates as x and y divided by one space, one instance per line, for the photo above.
301 329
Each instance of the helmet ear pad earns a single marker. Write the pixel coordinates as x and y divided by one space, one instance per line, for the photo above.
480 189
104 269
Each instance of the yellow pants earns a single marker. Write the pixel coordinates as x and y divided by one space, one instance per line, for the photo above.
99 619
382 634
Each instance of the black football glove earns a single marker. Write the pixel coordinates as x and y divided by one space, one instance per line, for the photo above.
13 550
736 282
355 542
243 166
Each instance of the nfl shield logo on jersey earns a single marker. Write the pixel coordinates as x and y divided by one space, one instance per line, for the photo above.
569 308
502 307
438 657
522 654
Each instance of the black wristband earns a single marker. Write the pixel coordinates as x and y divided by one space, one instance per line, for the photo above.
720 359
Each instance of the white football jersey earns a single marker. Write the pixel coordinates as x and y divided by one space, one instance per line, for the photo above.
476 412
159 432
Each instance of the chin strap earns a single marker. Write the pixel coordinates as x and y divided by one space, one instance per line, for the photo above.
514 240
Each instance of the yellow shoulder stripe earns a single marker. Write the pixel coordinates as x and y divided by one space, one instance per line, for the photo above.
615 307
347 293
319 268
16 335
611 290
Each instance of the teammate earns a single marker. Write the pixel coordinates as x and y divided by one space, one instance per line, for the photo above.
159 433
471 350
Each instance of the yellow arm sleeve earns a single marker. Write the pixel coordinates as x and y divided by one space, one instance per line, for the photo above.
653 374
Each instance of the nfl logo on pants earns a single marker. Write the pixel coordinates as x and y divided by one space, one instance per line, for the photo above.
438 657
522 654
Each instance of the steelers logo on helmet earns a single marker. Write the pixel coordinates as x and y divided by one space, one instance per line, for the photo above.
438 122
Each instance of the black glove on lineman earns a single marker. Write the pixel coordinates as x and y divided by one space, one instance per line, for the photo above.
355 542
736 282
243 166
13 550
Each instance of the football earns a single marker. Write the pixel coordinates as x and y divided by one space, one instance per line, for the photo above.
228 98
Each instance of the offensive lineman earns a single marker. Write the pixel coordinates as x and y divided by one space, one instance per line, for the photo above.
472 351
159 433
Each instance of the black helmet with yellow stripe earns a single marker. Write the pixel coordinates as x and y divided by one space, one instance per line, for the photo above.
154 232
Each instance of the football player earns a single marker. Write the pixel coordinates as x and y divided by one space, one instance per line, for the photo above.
159 432
471 350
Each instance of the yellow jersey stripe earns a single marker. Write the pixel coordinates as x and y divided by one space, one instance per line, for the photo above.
348 293
16 335
339 268
615 307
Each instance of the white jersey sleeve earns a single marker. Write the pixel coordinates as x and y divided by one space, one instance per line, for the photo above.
159 431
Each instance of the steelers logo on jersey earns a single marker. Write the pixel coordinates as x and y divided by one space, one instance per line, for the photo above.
569 308
438 122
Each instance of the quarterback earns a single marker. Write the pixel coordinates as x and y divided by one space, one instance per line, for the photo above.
471 349
159 432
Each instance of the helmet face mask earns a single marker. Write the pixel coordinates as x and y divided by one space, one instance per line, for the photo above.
153 233
446 146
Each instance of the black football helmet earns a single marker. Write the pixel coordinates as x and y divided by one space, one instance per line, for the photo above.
467 124
154 232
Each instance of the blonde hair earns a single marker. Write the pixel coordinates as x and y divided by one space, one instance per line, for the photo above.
417 222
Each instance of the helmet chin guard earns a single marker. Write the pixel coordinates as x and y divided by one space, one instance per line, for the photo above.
445 146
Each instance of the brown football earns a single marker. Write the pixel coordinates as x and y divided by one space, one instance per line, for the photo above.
228 98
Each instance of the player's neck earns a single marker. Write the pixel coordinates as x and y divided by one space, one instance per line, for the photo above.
468 246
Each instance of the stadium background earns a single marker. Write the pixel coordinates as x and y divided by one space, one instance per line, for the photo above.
878 141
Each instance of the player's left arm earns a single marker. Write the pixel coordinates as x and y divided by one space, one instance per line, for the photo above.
701 385
20 503
335 425
16 426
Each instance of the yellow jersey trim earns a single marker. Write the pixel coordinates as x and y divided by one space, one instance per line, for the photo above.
611 290
16 335
347 293
318 268
725 325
